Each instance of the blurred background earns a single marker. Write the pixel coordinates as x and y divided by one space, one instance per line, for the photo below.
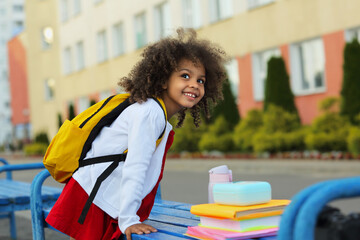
293 86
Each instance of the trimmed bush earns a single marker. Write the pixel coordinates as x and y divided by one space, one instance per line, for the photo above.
71 112
277 87
226 107
218 137
328 133
281 131
42 137
277 119
188 136
350 92
245 130
60 122
35 149
353 141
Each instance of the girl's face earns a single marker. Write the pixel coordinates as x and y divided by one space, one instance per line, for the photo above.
185 87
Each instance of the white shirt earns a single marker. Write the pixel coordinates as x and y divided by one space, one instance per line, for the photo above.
136 129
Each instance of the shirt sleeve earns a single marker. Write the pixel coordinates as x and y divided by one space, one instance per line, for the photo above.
145 125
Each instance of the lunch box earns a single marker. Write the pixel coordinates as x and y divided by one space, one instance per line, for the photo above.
242 193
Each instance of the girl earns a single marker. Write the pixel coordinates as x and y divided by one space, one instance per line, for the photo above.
184 73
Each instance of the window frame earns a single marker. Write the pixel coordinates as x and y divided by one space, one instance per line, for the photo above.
102 46
304 62
259 70
140 18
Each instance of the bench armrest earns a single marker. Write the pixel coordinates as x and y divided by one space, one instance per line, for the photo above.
8 168
36 205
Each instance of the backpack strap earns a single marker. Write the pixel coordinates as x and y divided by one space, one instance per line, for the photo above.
115 159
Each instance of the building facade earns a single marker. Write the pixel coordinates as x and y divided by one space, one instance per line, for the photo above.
97 42
11 23
18 80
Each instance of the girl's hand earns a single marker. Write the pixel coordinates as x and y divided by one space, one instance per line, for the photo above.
139 228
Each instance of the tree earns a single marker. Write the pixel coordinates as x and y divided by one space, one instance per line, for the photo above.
71 111
227 107
277 86
59 120
92 102
350 92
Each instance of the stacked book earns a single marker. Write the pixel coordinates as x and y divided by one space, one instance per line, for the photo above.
229 220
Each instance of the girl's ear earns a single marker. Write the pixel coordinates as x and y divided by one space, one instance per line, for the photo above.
165 86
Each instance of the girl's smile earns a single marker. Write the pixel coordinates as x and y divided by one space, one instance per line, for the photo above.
185 87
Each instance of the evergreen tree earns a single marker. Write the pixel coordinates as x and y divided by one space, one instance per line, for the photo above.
59 120
92 102
350 92
277 86
71 111
227 107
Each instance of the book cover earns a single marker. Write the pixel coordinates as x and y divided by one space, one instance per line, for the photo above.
235 212
241 225
215 234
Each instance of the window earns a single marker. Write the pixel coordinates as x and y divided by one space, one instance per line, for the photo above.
76 7
67 61
47 37
259 66
162 20
220 9
258 3
64 10
307 67
191 13
18 8
118 39
49 89
352 33
102 49
84 104
140 30
232 70
80 60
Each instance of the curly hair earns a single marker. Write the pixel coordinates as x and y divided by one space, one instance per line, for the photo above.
161 59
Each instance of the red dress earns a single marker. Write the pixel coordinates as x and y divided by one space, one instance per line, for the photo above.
98 225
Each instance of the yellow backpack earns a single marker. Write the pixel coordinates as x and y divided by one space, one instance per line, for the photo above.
73 140
68 148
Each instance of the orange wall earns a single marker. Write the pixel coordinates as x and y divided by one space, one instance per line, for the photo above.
333 47
307 105
18 82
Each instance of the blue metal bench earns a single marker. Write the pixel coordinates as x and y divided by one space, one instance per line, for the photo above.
170 218
15 195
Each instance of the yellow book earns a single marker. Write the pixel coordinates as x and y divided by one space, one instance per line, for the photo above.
239 212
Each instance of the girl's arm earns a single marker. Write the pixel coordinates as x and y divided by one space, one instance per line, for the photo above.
145 125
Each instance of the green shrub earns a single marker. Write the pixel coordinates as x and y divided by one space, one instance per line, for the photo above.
277 119
226 107
218 137
326 142
279 141
277 87
350 91
35 149
245 130
353 141
187 137
42 137
281 131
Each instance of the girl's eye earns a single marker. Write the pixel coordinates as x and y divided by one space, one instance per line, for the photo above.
201 81
185 76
